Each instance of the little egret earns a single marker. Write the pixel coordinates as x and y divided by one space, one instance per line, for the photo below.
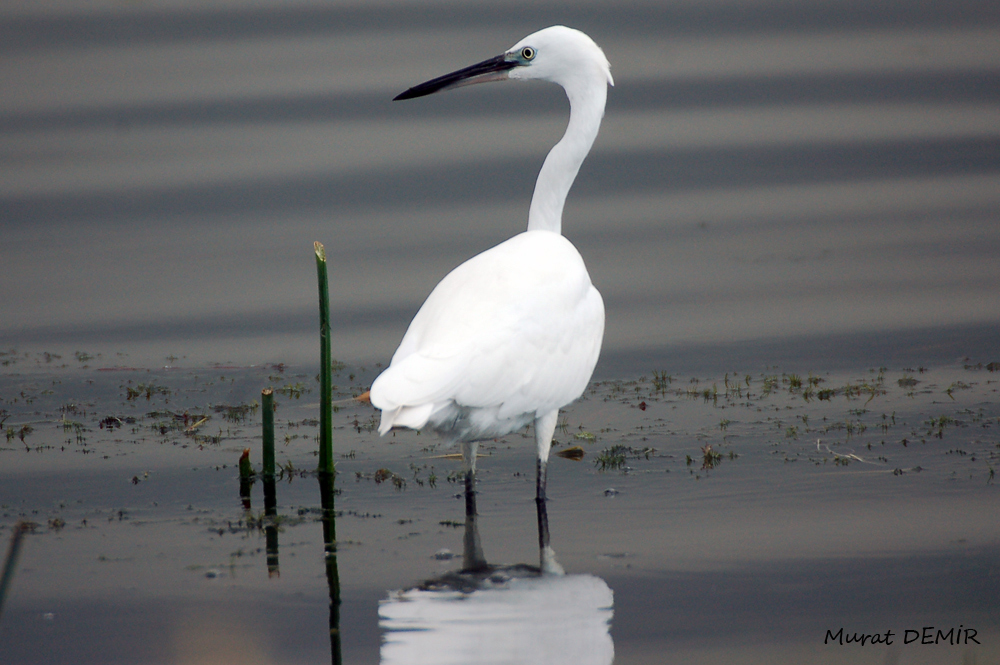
512 334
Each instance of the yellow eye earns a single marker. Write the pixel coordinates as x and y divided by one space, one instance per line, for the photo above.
527 53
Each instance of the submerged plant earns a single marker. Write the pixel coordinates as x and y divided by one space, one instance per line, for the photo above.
614 458
369 425
384 475
710 459
20 432
661 381
293 390
238 413
146 390
957 385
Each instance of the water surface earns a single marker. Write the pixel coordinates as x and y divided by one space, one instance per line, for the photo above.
741 517
766 173
779 190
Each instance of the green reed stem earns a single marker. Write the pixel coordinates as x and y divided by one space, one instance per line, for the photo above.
325 378
267 421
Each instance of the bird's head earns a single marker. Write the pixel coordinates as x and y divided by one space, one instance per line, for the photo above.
558 54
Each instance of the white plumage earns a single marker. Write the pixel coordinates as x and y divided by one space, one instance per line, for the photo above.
514 333
511 333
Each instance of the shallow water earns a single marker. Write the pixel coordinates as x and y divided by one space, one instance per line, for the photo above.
815 516
778 189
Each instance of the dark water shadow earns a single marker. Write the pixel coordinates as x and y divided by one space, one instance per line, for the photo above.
110 28
842 351
774 91
789 602
328 520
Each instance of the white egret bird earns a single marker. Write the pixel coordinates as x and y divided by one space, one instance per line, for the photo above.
512 334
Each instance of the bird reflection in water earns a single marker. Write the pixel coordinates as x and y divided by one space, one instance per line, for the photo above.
487 613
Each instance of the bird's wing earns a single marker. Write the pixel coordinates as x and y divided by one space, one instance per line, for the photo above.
517 327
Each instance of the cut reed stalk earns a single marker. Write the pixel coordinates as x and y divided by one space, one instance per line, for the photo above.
325 378
267 423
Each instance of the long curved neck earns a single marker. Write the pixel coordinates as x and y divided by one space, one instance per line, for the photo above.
564 160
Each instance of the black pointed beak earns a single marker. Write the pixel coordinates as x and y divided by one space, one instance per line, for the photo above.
494 69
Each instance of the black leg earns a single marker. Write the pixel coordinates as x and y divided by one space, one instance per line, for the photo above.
473 558
470 493
543 514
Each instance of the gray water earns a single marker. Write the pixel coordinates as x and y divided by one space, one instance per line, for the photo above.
869 510
769 176
778 189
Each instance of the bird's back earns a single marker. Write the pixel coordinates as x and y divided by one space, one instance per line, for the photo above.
511 332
